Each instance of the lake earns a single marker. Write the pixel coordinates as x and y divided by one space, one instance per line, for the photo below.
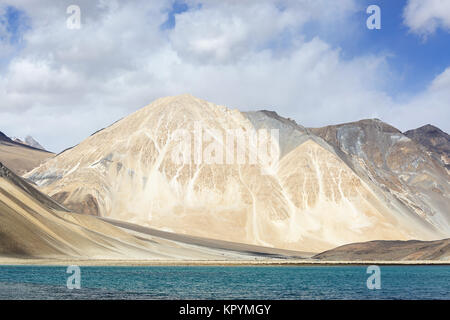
206 282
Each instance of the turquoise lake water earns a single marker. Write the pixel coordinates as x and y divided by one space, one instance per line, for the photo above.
318 282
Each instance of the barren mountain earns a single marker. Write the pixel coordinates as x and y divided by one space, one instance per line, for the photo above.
19 156
320 194
399 166
434 139
389 251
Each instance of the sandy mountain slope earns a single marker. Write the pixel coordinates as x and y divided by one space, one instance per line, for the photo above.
20 157
311 200
389 251
34 226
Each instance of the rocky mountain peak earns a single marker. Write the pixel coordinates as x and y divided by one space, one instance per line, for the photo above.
434 139
29 140
4 137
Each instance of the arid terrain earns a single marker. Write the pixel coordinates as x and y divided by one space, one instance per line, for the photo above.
360 191
331 186
36 230
34 226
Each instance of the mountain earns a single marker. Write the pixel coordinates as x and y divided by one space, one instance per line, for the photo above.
29 140
15 139
389 251
399 166
434 139
4 138
328 187
33 225
19 156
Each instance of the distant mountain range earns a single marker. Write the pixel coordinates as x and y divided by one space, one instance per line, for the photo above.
29 141
21 156
4 137
332 186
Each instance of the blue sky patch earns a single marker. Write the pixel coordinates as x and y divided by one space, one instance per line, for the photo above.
16 23
414 60
177 8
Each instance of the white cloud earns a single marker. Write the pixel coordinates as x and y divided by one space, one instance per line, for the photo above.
225 31
424 17
432 106
66 84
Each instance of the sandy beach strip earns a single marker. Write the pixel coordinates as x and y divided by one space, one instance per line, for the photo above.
224 263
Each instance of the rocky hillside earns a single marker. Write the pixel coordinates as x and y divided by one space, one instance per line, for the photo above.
434 139
402 168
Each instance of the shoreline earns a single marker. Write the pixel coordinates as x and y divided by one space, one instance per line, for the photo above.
217 263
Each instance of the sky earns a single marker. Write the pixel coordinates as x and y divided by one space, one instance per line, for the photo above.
312 61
